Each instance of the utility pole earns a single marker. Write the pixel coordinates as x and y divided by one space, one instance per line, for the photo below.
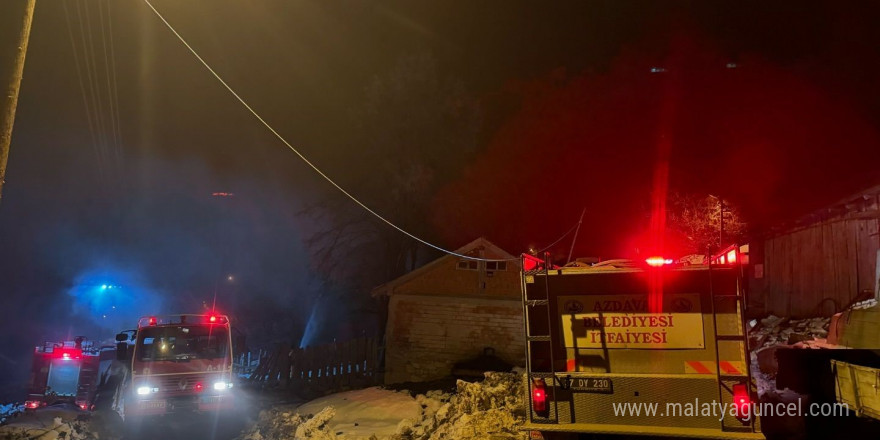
581 220
721 226
10 97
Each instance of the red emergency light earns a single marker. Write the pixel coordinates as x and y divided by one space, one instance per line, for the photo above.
217 319
199 387
153 321
658 261
32 404
66 353
730 256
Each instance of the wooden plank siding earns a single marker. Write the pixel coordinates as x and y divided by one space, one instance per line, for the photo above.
833 260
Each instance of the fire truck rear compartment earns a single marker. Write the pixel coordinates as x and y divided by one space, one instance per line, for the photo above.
695 365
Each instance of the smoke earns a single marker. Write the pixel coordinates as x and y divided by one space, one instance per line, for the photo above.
89 258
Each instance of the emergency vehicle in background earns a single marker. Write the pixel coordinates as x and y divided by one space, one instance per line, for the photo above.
63 372
172 364
618 333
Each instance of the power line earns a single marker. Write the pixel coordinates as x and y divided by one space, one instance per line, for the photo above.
111 80
82 87
85 24
307 161
101 102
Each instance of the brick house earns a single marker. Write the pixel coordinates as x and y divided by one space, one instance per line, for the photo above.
449 310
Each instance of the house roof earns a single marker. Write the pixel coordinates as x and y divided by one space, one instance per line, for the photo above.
473 248
864 204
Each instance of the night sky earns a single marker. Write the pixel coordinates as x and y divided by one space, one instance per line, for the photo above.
122 138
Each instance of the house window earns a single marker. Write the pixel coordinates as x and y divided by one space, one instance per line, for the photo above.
467 265
496 265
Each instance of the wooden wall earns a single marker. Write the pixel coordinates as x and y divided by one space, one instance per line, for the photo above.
834 259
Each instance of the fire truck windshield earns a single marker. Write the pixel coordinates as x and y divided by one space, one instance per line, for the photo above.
182 344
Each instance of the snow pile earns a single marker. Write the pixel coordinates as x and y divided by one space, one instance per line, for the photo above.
492 409
361 414
50 425
62 421
280 423
866 304
765 382
774 330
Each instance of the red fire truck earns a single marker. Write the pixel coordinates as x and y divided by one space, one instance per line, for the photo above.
646 348
179 363
63 372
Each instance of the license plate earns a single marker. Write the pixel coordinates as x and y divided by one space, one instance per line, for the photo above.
153 404
592 385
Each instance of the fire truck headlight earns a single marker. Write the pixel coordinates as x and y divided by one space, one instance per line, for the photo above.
220 386
144 390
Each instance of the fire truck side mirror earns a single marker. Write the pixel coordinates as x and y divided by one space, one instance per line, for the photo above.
121 337
121 351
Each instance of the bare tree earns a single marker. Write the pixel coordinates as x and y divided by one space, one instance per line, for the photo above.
702 224
417 131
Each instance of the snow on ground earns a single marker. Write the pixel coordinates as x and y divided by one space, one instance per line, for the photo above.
362 413
54 422
492 409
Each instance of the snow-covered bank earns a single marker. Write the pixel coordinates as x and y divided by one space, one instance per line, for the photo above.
54 422
493 408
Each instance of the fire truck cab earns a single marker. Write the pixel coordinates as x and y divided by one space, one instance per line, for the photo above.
63 372
644 348
180 364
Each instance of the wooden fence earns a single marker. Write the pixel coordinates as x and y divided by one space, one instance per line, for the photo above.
321 369
812 270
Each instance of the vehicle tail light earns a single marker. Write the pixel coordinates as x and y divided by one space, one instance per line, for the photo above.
32 404
539 398
83 405
742 402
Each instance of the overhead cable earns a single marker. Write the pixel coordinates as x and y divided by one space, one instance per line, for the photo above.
306 160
